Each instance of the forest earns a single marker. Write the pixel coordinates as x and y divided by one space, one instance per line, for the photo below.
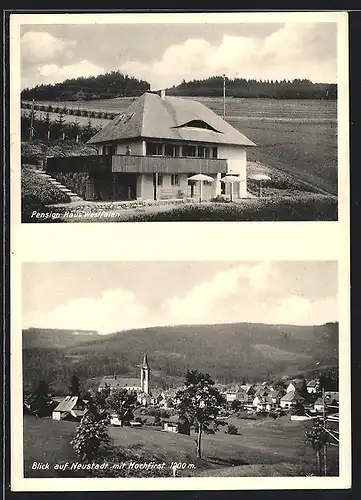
108 86
243 88
115 84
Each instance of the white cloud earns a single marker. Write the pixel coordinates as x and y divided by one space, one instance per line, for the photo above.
297 310
202 304
37 46
115 310
295 51
52 73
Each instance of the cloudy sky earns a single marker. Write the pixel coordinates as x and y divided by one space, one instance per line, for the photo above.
114 296
164 54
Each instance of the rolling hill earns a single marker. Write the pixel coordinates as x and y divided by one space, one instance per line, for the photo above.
227 351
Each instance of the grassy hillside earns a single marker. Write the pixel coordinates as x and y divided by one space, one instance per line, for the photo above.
264 447
55 338
228 352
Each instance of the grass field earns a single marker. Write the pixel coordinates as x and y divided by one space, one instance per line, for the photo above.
271 447
295 136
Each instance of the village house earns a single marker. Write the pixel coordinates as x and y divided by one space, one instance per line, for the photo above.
125 419
318 405
312 386
70 408
290 399
149 151
332 398
294 385
177 425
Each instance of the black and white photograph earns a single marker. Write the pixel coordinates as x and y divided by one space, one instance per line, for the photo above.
203 369
181 117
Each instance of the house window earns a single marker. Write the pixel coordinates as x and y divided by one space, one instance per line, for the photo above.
207 183
214 152
175 180
154 149
160 180
189 151
203 152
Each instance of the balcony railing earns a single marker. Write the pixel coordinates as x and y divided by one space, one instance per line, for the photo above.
167 165
136 164
92 164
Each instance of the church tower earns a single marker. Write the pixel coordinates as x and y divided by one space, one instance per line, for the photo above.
145 375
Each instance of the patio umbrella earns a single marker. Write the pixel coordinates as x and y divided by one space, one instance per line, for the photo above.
201 178
231 179
260 178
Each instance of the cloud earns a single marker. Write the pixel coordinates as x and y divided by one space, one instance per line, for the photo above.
249 292
211 301
294 51
53 73
115 310
38 46
297 310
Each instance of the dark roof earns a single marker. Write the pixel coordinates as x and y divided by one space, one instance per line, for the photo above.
172 118
119 382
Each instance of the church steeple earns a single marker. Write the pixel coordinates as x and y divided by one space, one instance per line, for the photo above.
144 375
145 362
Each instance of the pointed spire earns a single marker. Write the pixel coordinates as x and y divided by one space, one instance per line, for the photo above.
145 362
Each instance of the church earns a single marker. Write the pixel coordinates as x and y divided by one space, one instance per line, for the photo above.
141 386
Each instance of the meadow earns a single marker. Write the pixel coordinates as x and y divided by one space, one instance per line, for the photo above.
262 447
298 137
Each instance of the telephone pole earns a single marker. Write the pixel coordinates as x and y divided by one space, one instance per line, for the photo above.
224 96
324 426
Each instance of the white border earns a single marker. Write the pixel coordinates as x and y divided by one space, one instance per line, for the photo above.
180 241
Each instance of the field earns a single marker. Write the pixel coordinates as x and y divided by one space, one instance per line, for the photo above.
262 447
295 136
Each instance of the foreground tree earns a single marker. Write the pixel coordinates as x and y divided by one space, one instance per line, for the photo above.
91 435
121 402
200 403
318 438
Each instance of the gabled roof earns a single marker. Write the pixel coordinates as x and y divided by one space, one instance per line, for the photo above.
114 382
68 403
171 118
291 396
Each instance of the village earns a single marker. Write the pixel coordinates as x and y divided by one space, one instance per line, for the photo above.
299 398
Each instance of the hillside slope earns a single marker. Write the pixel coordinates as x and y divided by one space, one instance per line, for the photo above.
228 352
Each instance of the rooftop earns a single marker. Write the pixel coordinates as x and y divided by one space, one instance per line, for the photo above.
171 118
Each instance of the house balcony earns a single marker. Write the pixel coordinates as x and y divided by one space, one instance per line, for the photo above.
136 164
167 165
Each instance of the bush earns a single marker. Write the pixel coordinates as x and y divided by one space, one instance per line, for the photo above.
91 436
220 199
232 429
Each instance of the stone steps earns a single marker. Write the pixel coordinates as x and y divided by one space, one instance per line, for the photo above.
60 186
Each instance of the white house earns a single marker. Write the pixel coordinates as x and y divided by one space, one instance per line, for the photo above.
70 408
290 399
149 151
312 386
